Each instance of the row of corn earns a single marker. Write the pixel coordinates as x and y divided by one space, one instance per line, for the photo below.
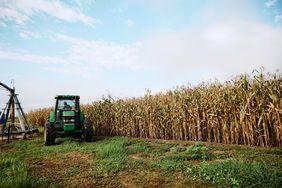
244 110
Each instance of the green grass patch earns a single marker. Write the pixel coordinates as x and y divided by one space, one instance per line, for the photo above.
179 157
199 151
138 146
234 173
154 148
111 155
14 174
170 164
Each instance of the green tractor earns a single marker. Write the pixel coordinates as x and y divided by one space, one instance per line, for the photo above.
67 120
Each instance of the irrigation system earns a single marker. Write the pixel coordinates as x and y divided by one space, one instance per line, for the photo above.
10 122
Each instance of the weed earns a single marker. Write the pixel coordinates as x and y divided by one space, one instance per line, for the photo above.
111 155
170 164
234 173
199 151
13 174
138 146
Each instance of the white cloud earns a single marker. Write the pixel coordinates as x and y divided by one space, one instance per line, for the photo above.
270 3
27 57
80 70
21 11
9 14
25 34
129 23
83 3
223 49
50 63
84 57
101 53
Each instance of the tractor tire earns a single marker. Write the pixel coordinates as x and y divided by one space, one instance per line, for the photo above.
49 134
88 130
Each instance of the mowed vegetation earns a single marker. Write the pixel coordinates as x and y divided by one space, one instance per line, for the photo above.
246 110
135 162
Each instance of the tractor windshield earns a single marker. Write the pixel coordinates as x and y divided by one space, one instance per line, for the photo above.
66 104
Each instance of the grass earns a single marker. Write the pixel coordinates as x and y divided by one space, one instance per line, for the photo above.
14 174
111 155
236 173
199 151
129 162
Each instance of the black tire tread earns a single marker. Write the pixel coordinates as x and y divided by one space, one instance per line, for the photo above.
50 134
88 130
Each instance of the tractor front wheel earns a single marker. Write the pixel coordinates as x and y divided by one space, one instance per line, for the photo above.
88 130
49 134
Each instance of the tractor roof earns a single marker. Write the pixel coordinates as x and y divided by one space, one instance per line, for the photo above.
67 97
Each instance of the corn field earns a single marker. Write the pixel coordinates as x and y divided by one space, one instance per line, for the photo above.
39 116
246 110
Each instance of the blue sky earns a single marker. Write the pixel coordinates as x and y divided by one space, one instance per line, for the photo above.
95 48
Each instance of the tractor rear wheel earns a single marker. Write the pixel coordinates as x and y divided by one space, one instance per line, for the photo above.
88 130
49 134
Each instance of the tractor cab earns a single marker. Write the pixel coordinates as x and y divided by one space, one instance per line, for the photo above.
67 102
67 108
